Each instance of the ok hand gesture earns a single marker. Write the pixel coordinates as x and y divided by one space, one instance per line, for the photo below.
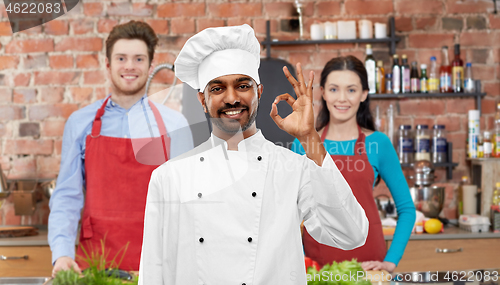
300 123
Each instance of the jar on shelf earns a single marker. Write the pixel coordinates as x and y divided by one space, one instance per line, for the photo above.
405 144
422 143
439 144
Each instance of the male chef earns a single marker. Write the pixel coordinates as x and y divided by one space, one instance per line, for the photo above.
229 211
111 148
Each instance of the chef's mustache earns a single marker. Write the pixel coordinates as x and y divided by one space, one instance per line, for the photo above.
228 106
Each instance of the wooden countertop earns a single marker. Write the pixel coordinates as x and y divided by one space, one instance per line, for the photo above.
450 232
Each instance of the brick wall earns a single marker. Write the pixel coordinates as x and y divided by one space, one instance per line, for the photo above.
48 72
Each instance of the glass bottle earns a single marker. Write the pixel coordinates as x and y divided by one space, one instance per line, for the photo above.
424 87
388 83
495 199
460 195
405 144
445 72
480 146
405 75
422 143
457 71
497 131
380 77
469 86
371 70
487 144
433 77
439 144
414 78
396 75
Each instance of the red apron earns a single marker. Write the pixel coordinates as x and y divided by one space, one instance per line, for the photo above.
117 185
358 172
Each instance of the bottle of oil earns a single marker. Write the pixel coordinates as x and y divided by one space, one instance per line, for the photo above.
457 71
414 78
496 195
460 199
433 77
495 209
380 77
424 86
496 140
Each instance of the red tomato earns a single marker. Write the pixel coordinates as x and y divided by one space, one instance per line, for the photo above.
311 263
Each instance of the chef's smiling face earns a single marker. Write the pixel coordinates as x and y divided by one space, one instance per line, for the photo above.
232 102
129 67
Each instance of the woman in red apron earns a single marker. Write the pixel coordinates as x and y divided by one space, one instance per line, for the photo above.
345 117
114 209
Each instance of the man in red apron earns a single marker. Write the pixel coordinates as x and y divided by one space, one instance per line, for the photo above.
113 156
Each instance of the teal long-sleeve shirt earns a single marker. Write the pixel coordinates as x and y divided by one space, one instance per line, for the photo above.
385 162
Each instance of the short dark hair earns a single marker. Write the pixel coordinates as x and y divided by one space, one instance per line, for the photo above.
132 30
363 116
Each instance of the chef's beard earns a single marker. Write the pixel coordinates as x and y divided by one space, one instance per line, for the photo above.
222 123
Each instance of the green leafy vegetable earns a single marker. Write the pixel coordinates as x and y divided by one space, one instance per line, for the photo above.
96 273
343 273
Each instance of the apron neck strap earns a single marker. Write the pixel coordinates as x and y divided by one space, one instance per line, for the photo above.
358 147
360 142
96 126
158 118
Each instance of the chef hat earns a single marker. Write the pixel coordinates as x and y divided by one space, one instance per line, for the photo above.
216 52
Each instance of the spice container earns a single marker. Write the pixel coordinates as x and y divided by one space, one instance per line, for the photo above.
439 144
422 143
405 144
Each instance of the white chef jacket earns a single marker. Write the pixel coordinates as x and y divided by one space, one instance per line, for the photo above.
217 217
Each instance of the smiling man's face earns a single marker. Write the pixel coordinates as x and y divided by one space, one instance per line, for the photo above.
232 102
129 67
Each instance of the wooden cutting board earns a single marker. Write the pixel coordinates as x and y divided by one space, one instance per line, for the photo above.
21 231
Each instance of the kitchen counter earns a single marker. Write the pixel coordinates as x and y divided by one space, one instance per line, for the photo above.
450 232
38 240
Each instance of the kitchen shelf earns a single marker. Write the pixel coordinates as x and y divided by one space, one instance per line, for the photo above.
448 165
392 40
478 96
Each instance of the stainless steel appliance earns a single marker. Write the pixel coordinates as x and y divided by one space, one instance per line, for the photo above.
428 199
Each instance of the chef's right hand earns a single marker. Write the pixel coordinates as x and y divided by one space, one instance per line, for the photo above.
65 263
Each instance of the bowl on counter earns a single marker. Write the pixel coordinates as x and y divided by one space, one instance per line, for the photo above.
428 199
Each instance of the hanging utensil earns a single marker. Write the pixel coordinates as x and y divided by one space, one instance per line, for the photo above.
49 187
